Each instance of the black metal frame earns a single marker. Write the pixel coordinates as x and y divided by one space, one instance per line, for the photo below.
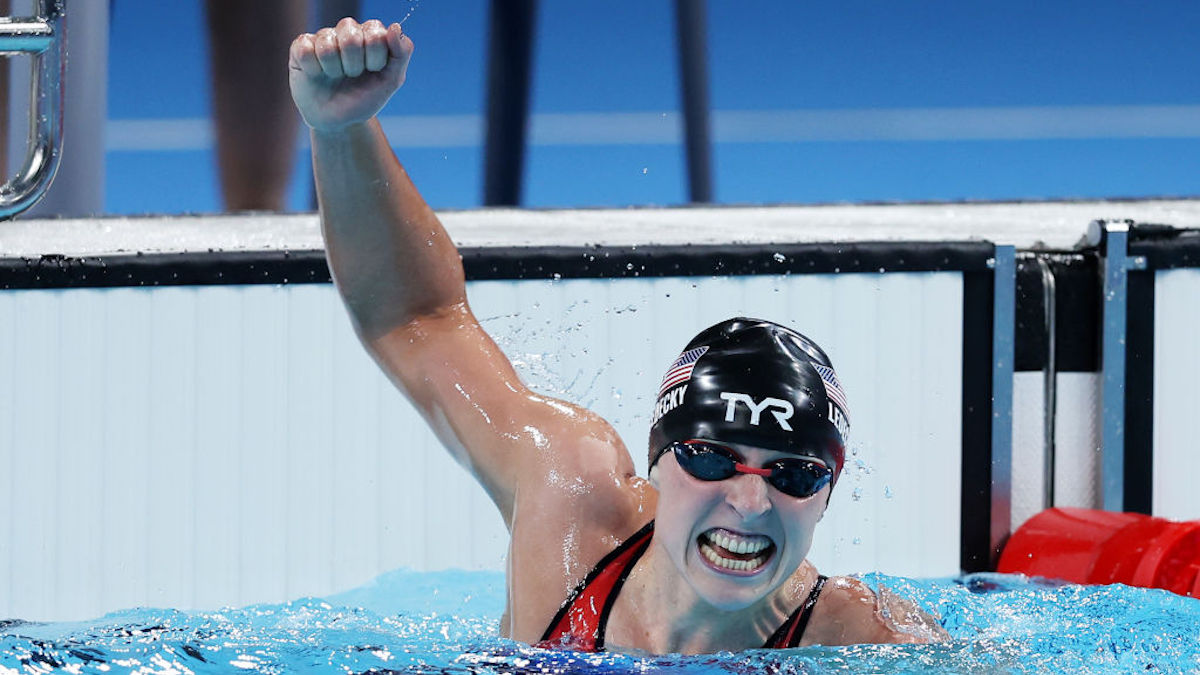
975 540
510 63
512 29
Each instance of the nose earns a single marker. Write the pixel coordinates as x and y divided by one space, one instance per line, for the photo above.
747 494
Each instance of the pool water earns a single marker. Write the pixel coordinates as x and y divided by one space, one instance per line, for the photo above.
445 622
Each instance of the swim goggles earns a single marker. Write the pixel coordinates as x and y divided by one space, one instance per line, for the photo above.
793 476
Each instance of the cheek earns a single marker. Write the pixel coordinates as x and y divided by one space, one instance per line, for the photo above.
804 517
681 504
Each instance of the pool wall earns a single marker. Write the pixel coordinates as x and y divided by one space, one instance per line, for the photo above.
226 445
198 428
1176 396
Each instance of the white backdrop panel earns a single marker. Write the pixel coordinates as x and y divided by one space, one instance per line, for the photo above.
208 446
1077 440
1176 397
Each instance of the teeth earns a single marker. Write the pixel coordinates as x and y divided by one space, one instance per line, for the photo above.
739 565
737 544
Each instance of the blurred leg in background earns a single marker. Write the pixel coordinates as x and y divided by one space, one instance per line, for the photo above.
256 123
255 120
329 12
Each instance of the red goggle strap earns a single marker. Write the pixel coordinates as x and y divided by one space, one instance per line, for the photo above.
743 468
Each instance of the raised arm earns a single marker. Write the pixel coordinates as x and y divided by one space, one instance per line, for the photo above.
402 279
390 257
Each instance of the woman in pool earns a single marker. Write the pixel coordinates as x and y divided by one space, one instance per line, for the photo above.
706 554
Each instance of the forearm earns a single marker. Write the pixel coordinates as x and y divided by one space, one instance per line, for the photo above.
391 259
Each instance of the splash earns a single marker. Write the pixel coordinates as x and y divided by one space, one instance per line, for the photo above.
446 622
412 7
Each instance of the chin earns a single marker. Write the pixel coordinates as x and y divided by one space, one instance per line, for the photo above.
731 590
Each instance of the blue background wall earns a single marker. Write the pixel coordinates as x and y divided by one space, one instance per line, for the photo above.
1044 100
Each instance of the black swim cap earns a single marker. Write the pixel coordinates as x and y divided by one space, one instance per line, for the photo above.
753 382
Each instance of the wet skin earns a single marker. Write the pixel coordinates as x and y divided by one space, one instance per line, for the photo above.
561 478
745 504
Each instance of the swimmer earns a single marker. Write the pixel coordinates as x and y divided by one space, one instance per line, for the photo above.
708 552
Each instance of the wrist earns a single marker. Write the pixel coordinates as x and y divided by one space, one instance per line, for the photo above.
335 132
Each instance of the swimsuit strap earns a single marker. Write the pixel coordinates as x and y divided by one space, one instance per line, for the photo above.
581 621
788 635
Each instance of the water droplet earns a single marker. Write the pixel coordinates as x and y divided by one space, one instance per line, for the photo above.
887 491
856 495
857 541
645 170
779 257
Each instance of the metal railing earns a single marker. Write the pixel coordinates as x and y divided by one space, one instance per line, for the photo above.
42 38
1049 382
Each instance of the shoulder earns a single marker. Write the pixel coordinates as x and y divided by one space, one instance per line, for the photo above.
579 484
849 612
577 457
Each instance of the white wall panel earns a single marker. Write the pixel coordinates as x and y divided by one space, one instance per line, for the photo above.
312 452
1176 396
1077 443
207 446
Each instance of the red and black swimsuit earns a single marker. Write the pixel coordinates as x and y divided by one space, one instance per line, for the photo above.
581 621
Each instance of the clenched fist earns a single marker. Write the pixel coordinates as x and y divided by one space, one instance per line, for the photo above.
345 75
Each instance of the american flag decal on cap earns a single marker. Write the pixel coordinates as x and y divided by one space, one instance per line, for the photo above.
833 388
681 370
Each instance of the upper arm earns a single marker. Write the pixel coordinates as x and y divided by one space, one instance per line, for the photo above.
855 614
472 398
904 621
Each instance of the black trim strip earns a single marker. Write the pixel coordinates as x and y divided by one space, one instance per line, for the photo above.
1139 392
724 259
1077 301
976 485
284 267
1165 254
166 269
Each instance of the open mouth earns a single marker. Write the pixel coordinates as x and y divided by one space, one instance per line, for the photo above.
735 553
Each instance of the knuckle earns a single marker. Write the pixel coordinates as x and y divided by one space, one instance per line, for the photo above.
325 42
